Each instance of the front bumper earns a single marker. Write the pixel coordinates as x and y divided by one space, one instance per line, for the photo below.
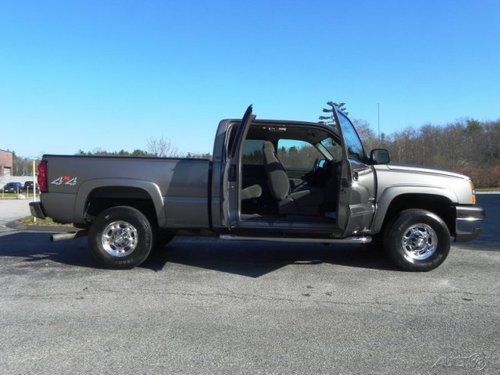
36 209
468 222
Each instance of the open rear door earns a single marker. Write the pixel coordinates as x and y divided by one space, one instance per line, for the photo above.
356 203
231 184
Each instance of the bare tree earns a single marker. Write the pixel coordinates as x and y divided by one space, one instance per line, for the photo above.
162 148
367 135
22 166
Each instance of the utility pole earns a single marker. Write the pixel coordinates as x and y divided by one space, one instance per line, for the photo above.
378 122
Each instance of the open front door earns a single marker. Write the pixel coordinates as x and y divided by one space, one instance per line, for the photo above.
231 184
356 203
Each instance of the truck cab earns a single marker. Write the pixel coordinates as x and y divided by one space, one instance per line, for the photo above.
292 179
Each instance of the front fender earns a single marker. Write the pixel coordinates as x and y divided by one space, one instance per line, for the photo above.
88 186
390 193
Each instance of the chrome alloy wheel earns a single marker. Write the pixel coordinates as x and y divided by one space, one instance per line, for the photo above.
119 238
419 241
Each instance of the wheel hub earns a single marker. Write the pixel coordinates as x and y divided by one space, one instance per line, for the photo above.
419 241
119 238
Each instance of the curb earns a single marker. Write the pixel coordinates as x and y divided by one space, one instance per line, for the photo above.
16 224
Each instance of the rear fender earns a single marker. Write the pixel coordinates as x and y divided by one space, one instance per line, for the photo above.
88 186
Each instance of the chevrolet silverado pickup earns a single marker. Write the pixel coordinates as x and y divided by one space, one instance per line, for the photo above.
267 180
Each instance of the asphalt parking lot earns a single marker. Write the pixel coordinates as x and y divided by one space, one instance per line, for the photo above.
203 306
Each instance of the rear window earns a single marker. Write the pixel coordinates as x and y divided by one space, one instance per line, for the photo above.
296 154
252 152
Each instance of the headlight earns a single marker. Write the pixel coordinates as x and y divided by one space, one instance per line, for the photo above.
473 192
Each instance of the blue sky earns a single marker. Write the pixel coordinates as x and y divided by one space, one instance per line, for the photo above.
112 74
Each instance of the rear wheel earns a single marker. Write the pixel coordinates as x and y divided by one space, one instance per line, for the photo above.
120 237
418 240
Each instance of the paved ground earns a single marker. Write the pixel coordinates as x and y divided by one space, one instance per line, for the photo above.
205 306
11 209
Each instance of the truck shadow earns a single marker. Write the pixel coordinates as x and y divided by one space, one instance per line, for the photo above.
251 259
34 247
257 258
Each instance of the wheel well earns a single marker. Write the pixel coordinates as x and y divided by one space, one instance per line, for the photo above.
103 198
437 204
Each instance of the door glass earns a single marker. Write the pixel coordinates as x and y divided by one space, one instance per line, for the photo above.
297 155
353 143
334 148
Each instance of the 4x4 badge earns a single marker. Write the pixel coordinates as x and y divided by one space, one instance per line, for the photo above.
65 180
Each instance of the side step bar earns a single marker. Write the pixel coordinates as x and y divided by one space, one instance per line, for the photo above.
359 240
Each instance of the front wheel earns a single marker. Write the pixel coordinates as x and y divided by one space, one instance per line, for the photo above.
120 237
418 240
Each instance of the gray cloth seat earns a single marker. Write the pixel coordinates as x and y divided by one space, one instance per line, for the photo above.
306 200
251 192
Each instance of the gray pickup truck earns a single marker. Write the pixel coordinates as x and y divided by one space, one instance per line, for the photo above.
268 180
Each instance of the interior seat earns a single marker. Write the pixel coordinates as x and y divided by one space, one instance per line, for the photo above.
251 192
304 201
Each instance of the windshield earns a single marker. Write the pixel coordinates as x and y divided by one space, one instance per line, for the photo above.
353 143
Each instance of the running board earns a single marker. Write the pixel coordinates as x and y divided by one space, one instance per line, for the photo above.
359 240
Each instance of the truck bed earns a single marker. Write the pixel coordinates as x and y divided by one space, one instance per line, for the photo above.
179 185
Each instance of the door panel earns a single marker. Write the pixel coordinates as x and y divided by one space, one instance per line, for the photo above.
232 171
356 205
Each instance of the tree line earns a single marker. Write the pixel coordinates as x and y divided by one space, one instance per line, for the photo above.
156 147
470 147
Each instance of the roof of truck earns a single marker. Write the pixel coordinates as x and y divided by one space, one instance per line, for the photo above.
281 122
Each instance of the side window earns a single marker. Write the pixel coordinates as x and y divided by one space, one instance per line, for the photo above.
297 155
353 143
252 152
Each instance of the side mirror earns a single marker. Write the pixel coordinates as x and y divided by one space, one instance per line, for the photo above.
380 156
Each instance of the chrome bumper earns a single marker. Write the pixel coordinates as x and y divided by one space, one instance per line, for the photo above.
36 209
468 222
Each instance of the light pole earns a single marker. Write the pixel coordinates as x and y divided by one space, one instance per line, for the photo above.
34 185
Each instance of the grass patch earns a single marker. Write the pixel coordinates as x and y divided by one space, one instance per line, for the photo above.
15 195
28 220
488 189
9 196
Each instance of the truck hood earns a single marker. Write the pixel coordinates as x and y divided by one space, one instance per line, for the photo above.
428 171
399 179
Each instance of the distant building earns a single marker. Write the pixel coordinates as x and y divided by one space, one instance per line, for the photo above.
6 162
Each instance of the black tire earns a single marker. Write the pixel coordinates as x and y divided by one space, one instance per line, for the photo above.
417 221
142 235
162 237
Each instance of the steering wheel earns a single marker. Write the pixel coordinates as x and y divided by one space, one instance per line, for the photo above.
312 176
